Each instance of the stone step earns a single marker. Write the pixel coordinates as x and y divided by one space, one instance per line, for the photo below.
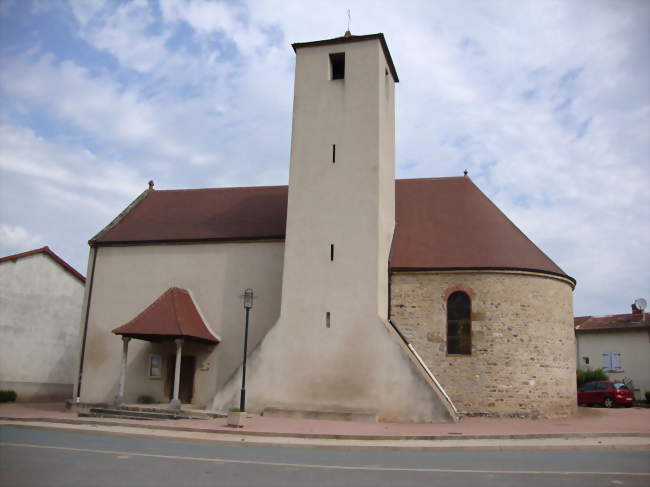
131 414
189 413
106 415
339 414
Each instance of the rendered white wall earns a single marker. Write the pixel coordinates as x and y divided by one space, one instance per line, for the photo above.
634 347
40 306
129 278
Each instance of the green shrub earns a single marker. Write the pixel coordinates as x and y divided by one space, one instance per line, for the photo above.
585 376
144 399
8 396
235 410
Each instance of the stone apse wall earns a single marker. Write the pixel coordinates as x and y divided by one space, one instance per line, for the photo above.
523 345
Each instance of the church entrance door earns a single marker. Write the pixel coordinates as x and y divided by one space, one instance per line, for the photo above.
186 386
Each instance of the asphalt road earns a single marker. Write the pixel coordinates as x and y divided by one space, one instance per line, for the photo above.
33 457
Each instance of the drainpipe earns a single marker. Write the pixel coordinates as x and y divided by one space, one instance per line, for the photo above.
390 274
575 334
91 280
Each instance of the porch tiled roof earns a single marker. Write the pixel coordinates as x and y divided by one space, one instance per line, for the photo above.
173 315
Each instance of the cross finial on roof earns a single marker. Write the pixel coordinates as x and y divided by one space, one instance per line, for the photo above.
347 32
465 172
151 184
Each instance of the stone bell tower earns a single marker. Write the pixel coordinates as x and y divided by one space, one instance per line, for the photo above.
332 349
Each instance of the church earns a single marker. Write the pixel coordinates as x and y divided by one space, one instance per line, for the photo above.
410 300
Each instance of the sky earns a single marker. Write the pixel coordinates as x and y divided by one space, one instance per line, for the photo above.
545 103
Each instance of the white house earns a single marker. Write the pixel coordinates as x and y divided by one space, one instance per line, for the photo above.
40 307
619 344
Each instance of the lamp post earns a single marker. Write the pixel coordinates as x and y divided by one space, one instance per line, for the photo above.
248 304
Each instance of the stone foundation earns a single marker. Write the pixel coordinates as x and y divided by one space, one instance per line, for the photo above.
523 346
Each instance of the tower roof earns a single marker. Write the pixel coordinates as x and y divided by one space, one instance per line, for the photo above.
443 223
350 39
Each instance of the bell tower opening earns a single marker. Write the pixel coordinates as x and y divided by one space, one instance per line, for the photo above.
337 65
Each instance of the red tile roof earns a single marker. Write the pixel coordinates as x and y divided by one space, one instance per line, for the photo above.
443 223
448 223
172 315
47 251
611 322
203 214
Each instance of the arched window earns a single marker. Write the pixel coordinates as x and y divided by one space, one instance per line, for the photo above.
459 324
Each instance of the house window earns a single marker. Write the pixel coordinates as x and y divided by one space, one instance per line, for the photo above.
591 386
155 366
612 362
337 65
459 324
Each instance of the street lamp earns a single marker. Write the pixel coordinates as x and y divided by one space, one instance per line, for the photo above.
248 304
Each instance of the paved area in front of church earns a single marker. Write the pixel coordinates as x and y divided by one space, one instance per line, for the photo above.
589 422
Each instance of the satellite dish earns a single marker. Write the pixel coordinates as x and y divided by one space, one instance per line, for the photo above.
640 304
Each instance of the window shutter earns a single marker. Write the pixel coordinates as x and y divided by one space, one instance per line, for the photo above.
616 361
607 361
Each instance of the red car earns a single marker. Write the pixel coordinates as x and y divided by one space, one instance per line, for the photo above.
607 393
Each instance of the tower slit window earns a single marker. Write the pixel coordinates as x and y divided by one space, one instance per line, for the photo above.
331 251
333 153
327 319
459 324
337 65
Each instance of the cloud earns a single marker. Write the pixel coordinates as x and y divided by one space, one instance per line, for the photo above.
124 34
203 16
75 169
84 10
57 192
95 104
16 239
546 105
6 6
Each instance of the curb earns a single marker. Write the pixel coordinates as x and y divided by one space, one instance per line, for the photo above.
324 436
462 445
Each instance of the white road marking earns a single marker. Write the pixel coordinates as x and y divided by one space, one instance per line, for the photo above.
326 467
